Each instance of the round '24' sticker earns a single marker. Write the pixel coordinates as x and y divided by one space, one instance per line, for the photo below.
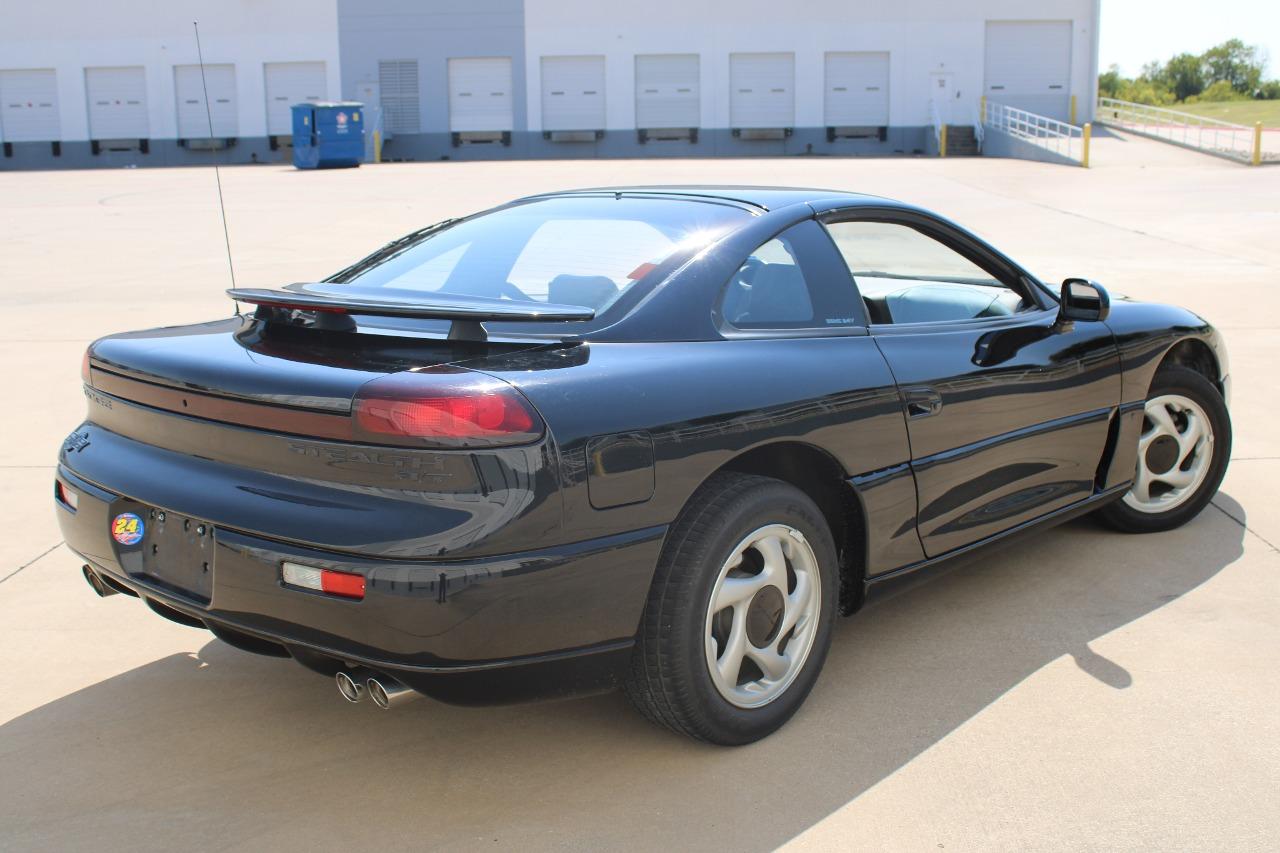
127 528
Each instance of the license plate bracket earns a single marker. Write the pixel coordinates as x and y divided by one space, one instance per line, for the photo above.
177 551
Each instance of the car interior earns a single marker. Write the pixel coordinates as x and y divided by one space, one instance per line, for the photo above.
897 300
926 281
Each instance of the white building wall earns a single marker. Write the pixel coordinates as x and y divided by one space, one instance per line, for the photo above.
70 37
921 36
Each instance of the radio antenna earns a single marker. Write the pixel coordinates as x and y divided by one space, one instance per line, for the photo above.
208 112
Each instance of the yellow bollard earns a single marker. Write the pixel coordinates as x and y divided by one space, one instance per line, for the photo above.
377 146
1073 110
1257 143
942 142
1084 154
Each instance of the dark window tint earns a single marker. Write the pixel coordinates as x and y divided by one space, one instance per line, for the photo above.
794 281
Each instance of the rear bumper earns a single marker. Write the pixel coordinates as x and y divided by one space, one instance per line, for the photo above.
554 621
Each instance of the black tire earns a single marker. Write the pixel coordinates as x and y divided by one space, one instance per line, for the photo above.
669 681
1188 383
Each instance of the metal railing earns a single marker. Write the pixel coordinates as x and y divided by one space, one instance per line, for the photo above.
1201 133
1066 140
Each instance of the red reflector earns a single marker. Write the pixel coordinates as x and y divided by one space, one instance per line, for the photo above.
461 409
341 583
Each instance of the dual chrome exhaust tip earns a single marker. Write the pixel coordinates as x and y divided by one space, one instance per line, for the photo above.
385 692
353 684
103 584
91 577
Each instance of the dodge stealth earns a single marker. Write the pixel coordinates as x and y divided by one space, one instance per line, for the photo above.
647 438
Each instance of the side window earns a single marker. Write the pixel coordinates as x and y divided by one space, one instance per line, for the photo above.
906 276
793 281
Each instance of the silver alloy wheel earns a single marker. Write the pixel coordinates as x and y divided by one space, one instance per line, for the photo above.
763 616
1175 451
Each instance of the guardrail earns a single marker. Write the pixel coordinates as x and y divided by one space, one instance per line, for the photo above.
1221 138
1067 141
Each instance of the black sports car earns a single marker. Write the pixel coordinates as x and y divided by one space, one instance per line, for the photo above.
654 438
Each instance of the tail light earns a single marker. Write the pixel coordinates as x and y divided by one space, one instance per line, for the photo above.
443 408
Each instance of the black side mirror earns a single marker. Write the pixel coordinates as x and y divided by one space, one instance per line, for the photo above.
1083 300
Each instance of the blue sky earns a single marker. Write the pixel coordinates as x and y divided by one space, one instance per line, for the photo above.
1137 31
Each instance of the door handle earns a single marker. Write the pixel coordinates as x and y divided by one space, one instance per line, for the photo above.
922 402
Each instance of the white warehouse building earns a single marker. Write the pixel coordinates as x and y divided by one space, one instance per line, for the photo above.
87 83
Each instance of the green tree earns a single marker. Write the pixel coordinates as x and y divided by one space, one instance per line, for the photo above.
1229 71
1220 90
1110 82
1237 63
1183 75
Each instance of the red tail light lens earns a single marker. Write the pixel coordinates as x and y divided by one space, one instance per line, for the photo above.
444 409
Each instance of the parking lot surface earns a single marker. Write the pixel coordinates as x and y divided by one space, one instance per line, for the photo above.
1078 690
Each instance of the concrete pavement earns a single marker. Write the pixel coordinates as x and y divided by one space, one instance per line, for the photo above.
1080 690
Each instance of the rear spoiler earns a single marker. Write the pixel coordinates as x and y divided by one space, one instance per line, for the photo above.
467 313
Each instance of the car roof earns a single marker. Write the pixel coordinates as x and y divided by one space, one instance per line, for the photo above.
765 198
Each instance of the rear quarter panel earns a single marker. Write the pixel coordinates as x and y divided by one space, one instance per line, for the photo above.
704 403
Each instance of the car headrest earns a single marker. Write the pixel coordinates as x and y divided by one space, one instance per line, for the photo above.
592 291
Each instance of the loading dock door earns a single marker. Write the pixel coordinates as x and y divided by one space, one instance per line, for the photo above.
480 95
667 94
573 93
290 83
29 106
857 90
1028 66
117 103
193 122
762 90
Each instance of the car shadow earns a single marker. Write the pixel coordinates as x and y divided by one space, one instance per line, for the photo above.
226 749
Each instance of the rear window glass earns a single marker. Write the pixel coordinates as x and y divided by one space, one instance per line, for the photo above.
573 251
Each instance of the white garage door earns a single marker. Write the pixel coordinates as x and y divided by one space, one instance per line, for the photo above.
290 83
29 106
193 122
480 94
1028 66
857 93
762 90
573 93
117 103
667 94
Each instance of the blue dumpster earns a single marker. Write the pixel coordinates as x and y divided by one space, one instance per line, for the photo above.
328 135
